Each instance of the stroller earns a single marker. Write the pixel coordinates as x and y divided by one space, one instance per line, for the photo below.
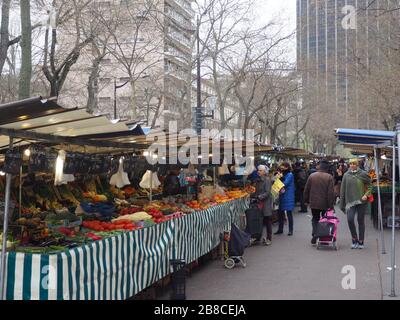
234 243
254 221
327 231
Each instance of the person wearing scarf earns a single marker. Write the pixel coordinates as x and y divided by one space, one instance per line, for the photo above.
355 189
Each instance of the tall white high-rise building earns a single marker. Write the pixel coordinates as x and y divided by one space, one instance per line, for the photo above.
148 59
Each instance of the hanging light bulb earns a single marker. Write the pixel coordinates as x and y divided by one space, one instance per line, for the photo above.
2 173
27 152
145 153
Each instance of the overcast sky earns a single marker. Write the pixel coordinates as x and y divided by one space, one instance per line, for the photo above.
281 11
278 8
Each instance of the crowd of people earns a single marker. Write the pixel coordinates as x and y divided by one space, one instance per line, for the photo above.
319 187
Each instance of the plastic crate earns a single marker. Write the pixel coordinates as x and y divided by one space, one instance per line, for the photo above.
178 279
390 222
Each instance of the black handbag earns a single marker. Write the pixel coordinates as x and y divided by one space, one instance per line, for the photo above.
69 165
13 161
50 161
114 166
37 160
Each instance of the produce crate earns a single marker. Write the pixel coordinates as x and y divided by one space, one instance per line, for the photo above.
178 280
147 294
389 222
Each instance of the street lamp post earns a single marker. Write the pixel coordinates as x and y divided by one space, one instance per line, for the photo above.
199 119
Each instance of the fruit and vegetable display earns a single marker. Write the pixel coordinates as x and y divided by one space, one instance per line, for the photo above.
53 219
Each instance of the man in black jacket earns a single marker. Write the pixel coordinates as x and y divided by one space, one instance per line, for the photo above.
300 179
319 194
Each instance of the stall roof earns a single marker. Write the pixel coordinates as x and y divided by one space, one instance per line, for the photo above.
30 120
294 152
29 109
39 120
371 137
366 149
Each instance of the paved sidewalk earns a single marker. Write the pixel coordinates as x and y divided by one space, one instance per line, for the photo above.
293 269
385 263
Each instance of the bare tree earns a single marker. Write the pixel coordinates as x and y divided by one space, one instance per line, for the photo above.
135 39
24 89
223 20
60 56
4 32
375 65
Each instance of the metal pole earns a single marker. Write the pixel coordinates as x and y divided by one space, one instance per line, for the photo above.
392 250
379 202
214 177
198 108
5 231
115 98
151 186
20 192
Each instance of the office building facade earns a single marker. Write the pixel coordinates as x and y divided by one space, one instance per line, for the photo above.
334 38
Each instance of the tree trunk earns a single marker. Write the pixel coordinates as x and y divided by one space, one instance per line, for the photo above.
273 136
133 99
24 90
156 115
92 86
4 33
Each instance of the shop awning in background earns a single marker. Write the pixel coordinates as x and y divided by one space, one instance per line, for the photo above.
295 152
367 149
370 137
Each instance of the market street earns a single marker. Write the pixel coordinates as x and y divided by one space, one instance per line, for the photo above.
292 269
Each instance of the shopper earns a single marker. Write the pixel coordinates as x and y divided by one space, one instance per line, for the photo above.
319 194
312 169
171 185
300 179
286 199
339 173
355 190
264 196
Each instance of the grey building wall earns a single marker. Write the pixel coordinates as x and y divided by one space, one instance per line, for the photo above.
326 48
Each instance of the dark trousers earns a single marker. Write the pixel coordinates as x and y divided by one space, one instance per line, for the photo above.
303 207
268 226
281 219
351 214
316 216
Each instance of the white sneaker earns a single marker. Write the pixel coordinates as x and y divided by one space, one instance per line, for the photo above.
354 245
264 241
268 242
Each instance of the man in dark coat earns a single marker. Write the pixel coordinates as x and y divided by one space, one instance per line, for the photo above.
300 179
319 194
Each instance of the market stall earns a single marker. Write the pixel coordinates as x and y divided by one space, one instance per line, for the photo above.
82 230
375 141
118 267
383 156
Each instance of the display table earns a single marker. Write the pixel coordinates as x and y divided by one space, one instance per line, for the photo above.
386 198
119 267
